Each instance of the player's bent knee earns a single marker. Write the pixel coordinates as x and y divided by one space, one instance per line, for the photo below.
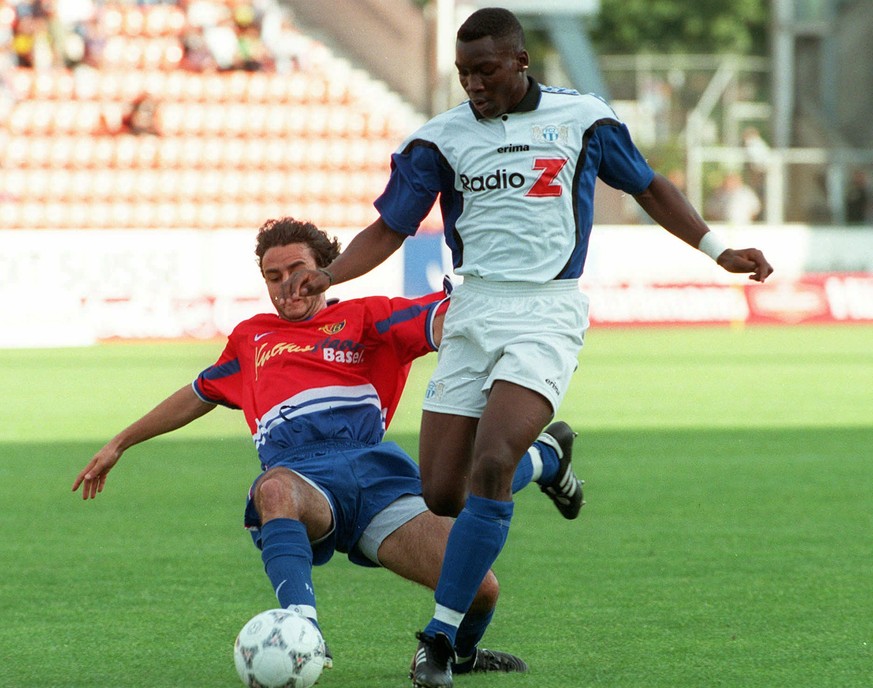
274 493
493 476
443 504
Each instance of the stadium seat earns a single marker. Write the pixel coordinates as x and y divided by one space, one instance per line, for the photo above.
257 90
16 151
90 152
185 213
14 183
147 148
234 147
9 213
22 83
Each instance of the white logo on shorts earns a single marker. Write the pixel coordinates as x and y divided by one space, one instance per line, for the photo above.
435 390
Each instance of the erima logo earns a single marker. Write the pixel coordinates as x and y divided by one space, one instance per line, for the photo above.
514 148
500 179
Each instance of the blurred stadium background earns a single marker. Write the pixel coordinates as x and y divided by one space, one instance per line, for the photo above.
141 143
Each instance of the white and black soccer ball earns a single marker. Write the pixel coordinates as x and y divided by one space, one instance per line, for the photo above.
279 649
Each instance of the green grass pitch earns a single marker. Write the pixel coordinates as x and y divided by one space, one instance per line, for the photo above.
727 540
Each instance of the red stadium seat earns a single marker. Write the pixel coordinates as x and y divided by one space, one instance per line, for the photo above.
22 83
15 151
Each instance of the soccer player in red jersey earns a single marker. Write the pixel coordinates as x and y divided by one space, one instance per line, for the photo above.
318 382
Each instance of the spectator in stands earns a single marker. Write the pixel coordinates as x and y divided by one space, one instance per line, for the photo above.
858 199
196 54
8 96
758 151
734 201
66 24
253 54
817 195
282 41
31 42
94 43
223 43
142 117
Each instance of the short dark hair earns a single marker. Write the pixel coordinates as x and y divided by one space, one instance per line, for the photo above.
492 21
287 230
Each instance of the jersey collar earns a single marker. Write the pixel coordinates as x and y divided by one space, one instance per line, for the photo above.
529 103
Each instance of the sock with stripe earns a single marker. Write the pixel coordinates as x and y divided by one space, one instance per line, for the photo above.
539 464
287 557
475 541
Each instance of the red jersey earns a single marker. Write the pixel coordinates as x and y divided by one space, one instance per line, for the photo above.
336 376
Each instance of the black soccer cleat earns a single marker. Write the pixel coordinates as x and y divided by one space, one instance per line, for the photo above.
566 489
491 660
432 663
328 657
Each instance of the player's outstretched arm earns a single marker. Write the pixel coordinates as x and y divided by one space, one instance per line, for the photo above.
178 409
669 207
370 247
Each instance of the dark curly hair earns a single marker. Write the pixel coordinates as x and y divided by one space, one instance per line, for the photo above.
287 230
495 22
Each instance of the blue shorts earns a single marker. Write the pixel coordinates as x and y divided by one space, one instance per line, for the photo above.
358 480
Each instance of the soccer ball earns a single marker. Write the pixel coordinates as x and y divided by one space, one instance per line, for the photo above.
279 649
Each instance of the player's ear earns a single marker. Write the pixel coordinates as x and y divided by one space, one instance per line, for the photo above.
523 60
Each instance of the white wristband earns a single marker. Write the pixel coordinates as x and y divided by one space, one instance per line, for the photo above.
712 245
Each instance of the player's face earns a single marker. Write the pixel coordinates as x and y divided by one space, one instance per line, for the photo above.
492 73
277 265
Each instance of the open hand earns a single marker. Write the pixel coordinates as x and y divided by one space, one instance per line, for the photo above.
92 478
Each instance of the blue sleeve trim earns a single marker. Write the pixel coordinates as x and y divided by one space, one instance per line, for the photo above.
417 178
401 316
216 372
433 309
622 166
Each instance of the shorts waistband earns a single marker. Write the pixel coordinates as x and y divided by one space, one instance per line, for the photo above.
311 449
495 288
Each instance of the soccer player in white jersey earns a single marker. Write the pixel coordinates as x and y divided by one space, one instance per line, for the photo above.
318 382
514 169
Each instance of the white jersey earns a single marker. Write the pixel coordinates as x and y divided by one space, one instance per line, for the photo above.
516 191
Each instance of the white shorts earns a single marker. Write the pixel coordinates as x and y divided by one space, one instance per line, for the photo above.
527 334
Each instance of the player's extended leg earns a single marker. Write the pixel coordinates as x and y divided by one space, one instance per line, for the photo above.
293 513
513 419
557 478
415 551
443 460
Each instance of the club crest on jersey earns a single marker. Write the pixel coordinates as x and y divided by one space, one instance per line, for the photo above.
332 328
550 133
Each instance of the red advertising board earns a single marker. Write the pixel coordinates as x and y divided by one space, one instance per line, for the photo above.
818 298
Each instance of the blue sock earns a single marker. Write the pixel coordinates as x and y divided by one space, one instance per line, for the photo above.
551 462
523 473
540 464
287 557
470 632
475 541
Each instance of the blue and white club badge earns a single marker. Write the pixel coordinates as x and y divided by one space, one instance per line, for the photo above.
551 133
